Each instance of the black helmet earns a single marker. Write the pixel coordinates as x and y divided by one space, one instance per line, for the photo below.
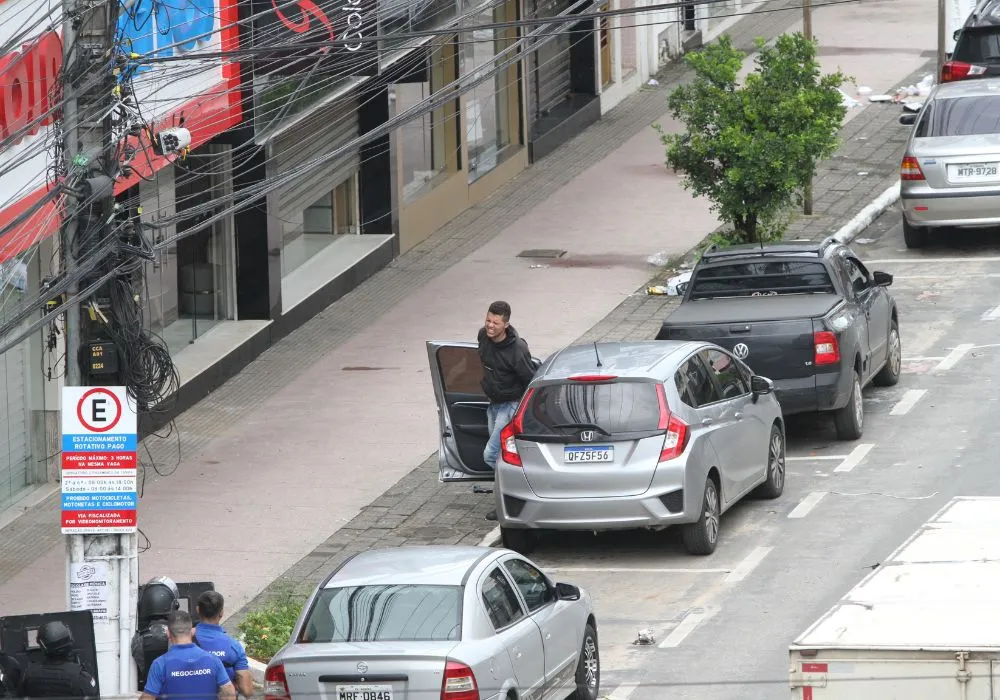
55 637
160 597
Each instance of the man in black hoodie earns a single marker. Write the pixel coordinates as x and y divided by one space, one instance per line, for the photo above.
507 371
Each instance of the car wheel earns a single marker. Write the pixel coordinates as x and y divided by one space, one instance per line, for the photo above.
702 536
850 419
588 669
914 236
774 484
889 374
518 540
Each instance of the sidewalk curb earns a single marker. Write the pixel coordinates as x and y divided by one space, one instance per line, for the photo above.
847 233
257 669
863 219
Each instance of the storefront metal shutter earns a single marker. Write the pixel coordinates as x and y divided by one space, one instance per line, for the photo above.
323 131
14 423
550 68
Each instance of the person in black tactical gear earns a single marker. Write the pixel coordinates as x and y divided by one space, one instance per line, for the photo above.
60 674
158 599
10 676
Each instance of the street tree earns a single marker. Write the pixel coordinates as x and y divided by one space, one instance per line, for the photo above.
751 148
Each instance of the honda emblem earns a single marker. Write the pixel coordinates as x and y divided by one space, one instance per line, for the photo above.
586 436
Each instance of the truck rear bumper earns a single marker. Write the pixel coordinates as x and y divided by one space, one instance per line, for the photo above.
820 392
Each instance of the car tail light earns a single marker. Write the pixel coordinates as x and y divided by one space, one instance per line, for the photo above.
910 169
275 684
827 348
675 439
459 682
508 436
956 70
593 378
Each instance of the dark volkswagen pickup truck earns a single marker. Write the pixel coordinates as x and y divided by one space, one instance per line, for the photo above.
809 316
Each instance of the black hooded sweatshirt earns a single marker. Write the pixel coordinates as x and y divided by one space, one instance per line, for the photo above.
507 366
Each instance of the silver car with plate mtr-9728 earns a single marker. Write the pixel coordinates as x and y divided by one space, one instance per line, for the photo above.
440 623
950 173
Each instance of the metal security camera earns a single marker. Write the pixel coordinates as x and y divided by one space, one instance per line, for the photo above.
174 139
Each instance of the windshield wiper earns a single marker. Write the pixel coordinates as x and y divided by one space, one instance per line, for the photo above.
583 426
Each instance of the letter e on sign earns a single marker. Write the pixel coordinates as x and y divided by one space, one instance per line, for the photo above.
99 410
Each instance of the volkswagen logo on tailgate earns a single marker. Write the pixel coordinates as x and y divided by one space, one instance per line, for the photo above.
587 436
741 350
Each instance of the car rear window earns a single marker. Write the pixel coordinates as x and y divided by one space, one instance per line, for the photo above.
961 116
385 613
760 278
978 46
611 407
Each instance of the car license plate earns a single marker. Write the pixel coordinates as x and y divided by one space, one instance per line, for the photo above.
975 172
597 453
364 692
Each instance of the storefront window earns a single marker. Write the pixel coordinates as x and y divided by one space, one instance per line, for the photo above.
280 97
492 108
404 16
428 144
334 214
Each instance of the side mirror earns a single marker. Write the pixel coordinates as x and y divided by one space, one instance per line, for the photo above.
761 385
567 591
881 279
908 119
954 34
682 288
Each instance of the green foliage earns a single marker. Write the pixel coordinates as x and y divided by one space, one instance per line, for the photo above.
268 628
751 148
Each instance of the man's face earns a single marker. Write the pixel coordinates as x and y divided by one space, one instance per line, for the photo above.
495 326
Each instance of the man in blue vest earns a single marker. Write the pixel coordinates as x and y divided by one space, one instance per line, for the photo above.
186 672
210 636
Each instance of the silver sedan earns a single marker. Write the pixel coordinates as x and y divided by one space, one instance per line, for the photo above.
440 623
950 173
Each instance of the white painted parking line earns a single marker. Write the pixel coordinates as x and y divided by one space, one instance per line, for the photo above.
991 315
906 404
492 538
623 692
808 503
679 633
744 568
630 570
923 359
854 459
813 458
953 357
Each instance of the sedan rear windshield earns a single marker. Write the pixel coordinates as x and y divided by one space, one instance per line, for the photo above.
385 614
606 408
961 116
761 278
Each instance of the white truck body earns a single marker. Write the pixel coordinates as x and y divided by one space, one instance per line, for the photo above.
924 625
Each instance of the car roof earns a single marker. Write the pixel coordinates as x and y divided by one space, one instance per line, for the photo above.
986 14
653 359
745 251
968 88
432 565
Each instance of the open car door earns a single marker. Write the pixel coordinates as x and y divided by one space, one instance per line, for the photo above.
457 375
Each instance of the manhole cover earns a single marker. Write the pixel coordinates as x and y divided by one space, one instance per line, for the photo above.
542 253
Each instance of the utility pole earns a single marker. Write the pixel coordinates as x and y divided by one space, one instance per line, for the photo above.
807 31
88 99
942 38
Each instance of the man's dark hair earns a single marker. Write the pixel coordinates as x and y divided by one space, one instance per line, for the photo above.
179 623
500 308
210 605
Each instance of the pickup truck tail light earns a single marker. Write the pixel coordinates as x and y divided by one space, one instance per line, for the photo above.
827 348
676 437
957 70
508 436
909 169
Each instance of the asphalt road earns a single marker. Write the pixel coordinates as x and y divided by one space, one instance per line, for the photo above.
721 624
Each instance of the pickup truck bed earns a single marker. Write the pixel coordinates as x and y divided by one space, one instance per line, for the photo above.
783 307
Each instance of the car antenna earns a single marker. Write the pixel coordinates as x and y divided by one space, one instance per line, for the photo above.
597 354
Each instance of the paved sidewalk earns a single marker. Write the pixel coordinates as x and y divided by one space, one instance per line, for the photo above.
300 483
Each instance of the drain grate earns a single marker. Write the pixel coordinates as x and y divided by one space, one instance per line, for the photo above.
549 253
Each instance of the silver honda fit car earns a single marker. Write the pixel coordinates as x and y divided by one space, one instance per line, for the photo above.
617 436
